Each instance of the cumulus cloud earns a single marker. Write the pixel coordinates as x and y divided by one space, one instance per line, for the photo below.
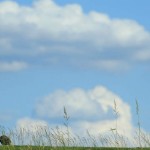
90 110
12 66
65 35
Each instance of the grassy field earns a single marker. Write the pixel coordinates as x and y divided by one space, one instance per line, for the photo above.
58 139
64 148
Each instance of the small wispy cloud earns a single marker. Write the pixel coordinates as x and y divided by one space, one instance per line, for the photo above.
12 66
143 55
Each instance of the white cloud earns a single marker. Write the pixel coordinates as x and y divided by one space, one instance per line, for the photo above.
31 125
39 132
66 33
109 65
89 110
12 66
143 55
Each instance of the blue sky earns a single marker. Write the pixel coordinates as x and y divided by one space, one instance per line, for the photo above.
80 48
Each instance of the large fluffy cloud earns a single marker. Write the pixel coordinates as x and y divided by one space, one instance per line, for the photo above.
65 35
91 110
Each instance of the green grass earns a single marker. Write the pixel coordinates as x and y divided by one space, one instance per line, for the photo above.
63 148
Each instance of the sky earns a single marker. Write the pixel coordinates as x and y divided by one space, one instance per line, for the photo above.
79 54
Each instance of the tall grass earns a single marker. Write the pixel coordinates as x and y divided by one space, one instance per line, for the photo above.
64 139
138 123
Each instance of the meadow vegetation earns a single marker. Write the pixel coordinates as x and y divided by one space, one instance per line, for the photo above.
46 138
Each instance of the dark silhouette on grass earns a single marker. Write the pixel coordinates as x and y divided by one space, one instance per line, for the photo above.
5 140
